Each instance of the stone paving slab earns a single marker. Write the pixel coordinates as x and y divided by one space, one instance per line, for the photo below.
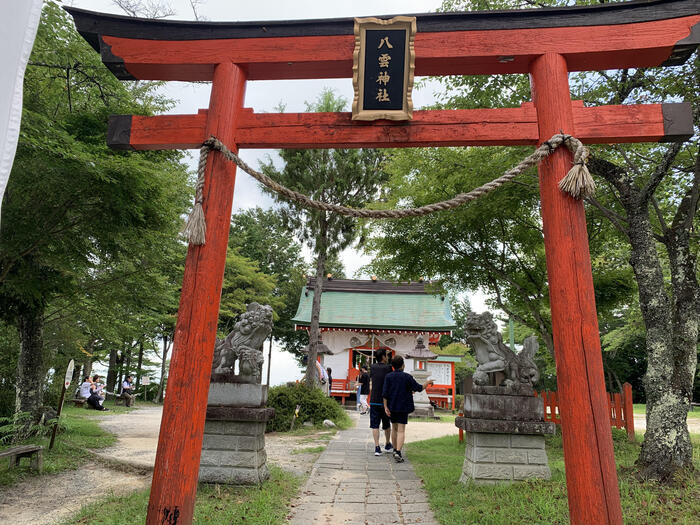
349 485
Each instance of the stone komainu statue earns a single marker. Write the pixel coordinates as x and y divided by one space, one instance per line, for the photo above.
493 356
244 344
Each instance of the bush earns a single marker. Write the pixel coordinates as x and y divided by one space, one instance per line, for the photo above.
315 406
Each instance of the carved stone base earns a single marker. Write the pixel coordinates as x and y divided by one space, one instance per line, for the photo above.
237 394
233 449
493 458
505 436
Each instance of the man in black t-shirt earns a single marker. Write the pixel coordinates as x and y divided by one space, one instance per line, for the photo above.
377 372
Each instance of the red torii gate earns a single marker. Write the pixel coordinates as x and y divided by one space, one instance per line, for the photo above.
546 43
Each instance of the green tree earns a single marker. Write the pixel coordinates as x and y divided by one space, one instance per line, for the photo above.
244 283
264 237
350 177
73 208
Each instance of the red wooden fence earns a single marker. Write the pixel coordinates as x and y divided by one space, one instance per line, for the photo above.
621 412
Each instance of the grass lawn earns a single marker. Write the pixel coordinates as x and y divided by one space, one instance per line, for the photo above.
217 504
80 430
641 409
439 463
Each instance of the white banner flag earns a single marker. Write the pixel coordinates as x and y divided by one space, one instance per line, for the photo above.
18 25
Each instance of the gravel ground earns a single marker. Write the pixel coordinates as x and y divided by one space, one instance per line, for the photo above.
48 500
51 499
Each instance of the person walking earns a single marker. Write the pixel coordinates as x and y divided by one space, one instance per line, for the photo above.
397 396
364 390
377 372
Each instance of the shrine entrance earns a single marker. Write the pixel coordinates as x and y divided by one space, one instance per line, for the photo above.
545 43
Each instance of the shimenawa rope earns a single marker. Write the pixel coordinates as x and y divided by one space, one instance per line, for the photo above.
578 183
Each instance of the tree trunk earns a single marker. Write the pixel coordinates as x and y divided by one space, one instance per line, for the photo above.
112 370
666 447
75 378
87 367
127 363
314 330
161 387
30 364
139 364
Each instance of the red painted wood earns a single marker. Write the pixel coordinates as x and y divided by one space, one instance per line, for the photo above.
454 386
176 469
619 421
469 127
590 463
445 53
628 411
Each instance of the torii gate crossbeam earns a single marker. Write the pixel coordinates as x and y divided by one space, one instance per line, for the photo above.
546 43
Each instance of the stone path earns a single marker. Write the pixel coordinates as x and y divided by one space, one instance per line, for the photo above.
350 485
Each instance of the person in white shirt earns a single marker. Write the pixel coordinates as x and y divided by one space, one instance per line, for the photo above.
95 400
99 389
128 391
85 388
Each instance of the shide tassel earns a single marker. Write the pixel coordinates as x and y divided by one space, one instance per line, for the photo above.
578 182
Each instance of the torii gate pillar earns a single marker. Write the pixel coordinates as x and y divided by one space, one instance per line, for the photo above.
180 439
591 477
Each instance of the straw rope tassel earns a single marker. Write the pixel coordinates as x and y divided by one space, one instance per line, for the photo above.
196 228
578 182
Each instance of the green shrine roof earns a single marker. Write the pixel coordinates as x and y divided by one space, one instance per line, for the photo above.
347 303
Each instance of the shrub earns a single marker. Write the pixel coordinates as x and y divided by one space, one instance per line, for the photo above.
314 405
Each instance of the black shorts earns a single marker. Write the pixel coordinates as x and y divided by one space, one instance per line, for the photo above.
377 414
399 417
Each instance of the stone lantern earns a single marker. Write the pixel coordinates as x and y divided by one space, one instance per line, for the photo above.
421 354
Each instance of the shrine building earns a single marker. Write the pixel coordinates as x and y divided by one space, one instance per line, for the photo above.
358 317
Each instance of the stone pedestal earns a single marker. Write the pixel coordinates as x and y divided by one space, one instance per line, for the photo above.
233 449
421 399
505 431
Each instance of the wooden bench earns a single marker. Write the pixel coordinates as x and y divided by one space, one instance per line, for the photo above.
26 451
693 405
79 401
339 388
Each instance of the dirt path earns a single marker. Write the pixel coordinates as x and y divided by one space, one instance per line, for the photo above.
51 499
640 423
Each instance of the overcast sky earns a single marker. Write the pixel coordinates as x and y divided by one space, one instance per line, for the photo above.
266 95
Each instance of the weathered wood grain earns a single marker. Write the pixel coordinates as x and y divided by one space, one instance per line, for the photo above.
498 51
585 417
469 127
176 469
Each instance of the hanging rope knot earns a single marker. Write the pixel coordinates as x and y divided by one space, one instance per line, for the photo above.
578 183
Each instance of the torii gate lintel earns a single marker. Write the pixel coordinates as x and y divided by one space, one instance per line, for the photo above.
546 43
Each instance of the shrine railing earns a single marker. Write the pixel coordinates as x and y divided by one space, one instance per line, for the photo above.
621 409
620 404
